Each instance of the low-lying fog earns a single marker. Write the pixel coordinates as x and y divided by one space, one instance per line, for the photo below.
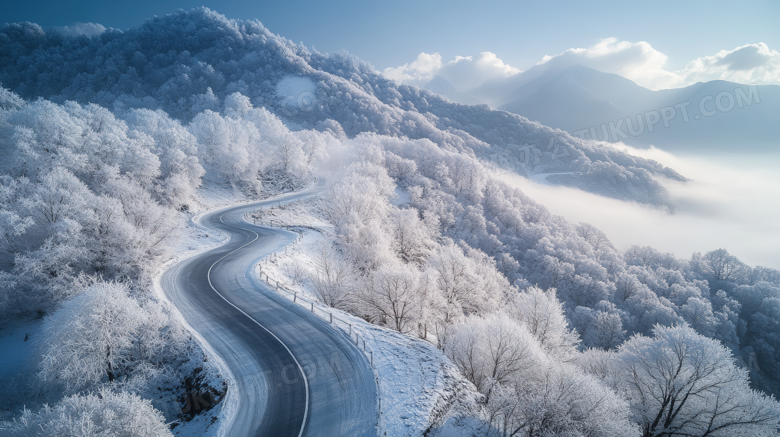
732 202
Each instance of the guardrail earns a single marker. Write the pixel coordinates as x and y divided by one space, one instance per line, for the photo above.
327 314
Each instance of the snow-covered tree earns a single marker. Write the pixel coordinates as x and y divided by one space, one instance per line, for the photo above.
105 413
720 265
393 298
542 314
526 393
469 284
491 350
333 279
412 239
681 383
91 337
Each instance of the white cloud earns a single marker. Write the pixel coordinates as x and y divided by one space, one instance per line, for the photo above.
463 72
466 72
751 63
419 72
640 62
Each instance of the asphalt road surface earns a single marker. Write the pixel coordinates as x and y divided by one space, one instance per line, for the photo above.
294 374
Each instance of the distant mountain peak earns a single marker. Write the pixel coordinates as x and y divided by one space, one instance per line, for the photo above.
440 85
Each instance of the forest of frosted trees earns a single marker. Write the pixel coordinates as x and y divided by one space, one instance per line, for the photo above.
105 142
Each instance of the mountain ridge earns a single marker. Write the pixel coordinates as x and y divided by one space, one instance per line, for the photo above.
188 62
578 97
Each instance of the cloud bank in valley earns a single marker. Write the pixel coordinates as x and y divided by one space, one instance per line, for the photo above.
728 204
639 62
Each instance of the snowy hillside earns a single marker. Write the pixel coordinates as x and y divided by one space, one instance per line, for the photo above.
185 63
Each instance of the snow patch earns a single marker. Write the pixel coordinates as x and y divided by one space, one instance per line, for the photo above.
402 197
16 343
295 86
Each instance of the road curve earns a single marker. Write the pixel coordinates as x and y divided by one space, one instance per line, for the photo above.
294 374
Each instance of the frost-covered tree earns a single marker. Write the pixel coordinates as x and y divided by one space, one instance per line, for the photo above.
558 399
12 226
393 298
468 282
364 192
491 350
180 166
681 383
601 326
59 197
526 393
88 339
412 239
94 337
720 265
230 147
543 316
104 413
333 279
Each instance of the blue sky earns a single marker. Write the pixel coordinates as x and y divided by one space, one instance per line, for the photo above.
390 34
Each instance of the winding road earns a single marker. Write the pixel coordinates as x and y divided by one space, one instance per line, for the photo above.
293 374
